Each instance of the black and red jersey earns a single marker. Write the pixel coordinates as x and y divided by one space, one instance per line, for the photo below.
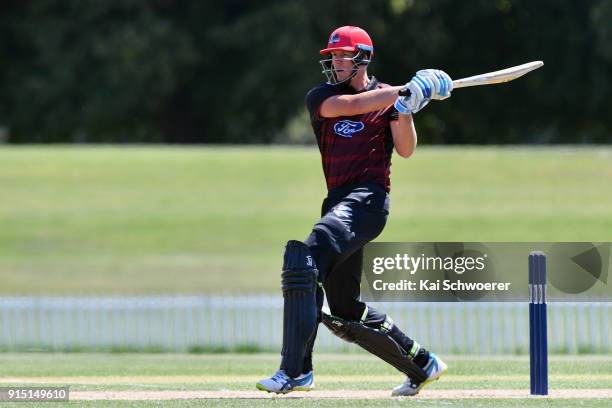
354 149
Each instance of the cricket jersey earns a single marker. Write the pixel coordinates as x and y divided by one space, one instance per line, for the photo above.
354 149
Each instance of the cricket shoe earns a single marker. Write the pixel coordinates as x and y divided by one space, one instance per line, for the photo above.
434 369
281 383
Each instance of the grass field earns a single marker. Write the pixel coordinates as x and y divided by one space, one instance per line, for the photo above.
149 375
184 220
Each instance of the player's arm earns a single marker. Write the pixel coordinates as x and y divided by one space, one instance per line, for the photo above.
349 105
426 85
404 135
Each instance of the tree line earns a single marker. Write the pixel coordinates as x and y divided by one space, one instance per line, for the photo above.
237 71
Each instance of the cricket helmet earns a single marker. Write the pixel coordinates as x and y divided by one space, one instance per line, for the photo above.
347 38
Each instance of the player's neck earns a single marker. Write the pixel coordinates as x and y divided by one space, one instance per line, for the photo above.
360 81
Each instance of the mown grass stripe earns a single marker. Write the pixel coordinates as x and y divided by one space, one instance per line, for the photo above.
207 379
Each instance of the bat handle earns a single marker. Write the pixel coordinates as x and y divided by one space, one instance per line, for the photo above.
404 92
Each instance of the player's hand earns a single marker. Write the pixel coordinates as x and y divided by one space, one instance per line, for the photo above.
415 94
443 83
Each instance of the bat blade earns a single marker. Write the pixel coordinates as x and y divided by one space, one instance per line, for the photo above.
497 77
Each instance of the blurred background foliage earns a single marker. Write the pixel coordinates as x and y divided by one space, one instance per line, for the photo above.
237 71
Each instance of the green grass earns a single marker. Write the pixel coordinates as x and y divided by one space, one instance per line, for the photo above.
142 372
501 403
184 220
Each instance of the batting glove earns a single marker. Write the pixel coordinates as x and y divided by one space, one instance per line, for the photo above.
442 82
415 95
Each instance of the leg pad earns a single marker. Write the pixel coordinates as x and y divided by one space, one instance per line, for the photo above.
376 342
299 283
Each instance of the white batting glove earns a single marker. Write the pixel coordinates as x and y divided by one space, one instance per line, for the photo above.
441 80
415 95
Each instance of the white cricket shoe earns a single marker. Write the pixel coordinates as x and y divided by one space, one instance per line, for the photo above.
434 369
281 383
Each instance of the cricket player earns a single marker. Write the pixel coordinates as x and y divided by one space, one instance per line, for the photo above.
357 121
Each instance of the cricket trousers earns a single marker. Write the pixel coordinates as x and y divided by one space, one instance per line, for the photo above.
351 217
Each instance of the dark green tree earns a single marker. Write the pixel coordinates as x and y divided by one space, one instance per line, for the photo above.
237 71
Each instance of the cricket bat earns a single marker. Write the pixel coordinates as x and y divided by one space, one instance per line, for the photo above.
497 77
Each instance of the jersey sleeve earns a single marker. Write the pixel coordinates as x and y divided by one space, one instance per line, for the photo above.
316 97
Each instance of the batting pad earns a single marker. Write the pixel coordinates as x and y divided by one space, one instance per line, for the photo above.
375 342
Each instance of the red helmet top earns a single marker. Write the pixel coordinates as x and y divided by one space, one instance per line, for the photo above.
349 38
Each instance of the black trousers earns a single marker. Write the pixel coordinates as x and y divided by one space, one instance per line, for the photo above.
350 218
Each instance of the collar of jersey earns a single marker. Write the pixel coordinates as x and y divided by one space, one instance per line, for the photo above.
371 85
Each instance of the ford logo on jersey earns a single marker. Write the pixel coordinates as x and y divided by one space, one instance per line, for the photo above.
346 128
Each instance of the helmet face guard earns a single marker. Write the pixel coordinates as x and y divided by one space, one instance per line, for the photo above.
361 59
